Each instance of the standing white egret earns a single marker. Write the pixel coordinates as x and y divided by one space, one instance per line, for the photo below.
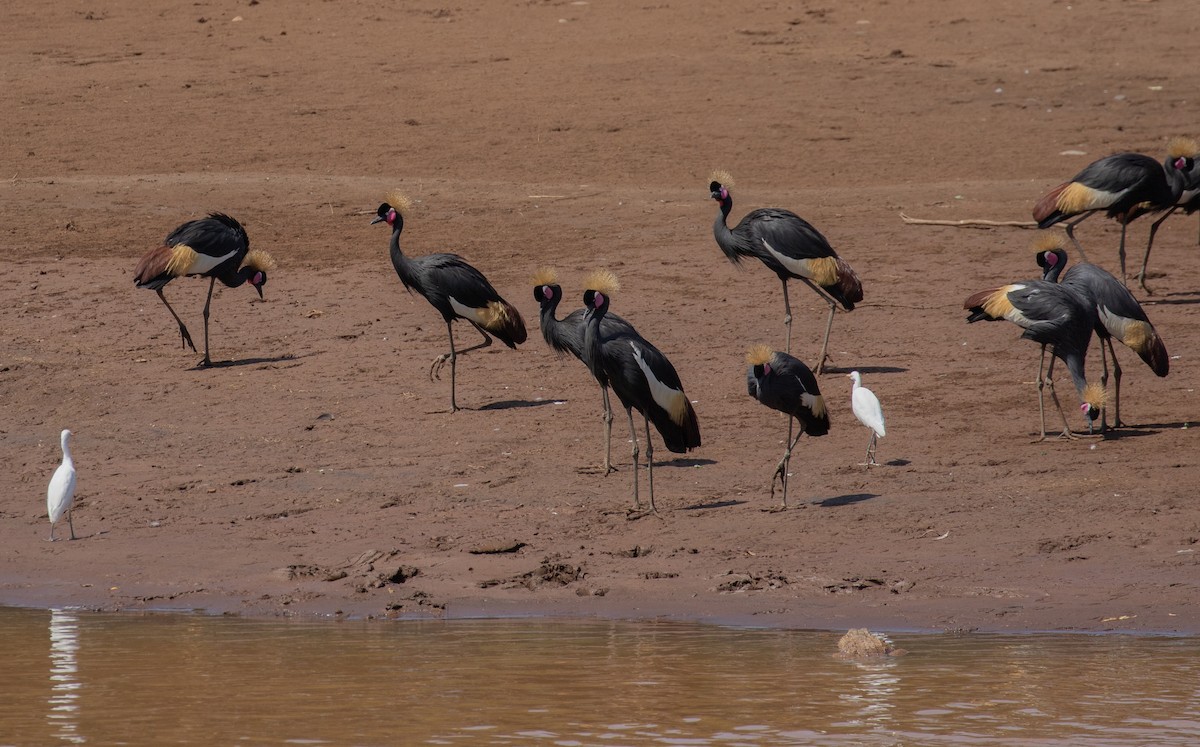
866 408
60 495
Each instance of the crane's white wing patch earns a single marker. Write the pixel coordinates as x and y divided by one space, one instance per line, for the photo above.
671 400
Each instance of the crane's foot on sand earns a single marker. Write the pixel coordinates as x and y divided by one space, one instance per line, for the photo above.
435 368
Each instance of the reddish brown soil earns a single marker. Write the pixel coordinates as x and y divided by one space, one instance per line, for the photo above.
318 460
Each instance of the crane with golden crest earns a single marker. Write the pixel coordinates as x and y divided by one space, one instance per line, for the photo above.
216 247
453 287
790 247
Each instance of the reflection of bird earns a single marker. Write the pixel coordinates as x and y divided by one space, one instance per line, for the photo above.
791 248
1124 185
60 494
1188 202
1052 315
1115 313
866 408
215 247
566 336
641 376
454 288
784 383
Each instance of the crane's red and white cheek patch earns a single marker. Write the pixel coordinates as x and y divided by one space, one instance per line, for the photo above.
598 300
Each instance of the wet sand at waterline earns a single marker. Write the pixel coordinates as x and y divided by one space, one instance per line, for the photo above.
316 469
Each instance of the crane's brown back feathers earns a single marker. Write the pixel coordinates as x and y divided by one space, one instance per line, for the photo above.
989 304
1069 198
759 354
181 259
603 281
545 276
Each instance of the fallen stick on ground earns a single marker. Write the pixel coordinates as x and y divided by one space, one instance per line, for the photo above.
969 223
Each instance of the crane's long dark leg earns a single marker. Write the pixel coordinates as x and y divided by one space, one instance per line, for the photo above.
185 338
207 302
1150 245
650 464
1116 385
1070 226
1041 397
781 470
435 369
1054 396
787 317
637 502
817 369
608 418
1104 385
1121 252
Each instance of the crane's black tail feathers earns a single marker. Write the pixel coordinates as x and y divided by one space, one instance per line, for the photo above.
1154 353
678 437
816 419
847 289
504 321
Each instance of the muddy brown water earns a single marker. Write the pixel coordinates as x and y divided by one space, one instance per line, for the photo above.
88 678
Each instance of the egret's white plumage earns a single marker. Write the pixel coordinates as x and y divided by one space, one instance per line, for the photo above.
868 411
60 495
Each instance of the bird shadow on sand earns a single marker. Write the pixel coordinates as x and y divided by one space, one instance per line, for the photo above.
713 504
684 462
865 369
1139 430
1173 299
845 500
515 404
246 362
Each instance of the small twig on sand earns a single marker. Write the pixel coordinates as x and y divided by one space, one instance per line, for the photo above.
969 223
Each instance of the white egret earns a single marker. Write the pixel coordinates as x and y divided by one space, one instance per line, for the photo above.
60 495
866 408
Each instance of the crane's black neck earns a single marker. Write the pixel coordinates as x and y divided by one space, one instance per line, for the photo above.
725 237
402 263
597 306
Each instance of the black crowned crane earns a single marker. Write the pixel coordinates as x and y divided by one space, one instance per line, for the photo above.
215 247
1115 313
784 383
1052 315
454 288
1123 185
791 248
641 376
1188 202
566 336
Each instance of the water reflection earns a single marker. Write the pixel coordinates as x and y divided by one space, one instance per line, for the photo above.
63 705
141 679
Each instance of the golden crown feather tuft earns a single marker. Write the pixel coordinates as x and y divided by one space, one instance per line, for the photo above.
603 281
399 201
545 276
1047 241
1095 395
1183 147
722 177
759 354
257 259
